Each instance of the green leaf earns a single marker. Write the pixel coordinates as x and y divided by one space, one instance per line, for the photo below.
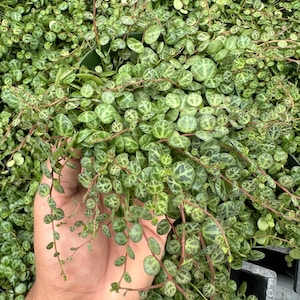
130 144
58 214
183 173
148 58
162 129
63 125
135 45
152 34
262 224
50 245
163 227
48 219
130 252
174 186
120 261
121 239
151 265
136 232
108 97
184 78
179 141
243 41
214 99
154 187
194 99
265 160
173 100
10 99
154 246
105 112
220 189
57 186
261 237
18 159
294 253
106 231
203 68
44 189
214 46
6 226
207 121
56 235
178 4
256 255
169 289
208 290
227 209
103 185
112 201
210 231
119 225
87 91
192 246
90 203
190 46
127 277
83 134
183 276
51 203
187 123
87 116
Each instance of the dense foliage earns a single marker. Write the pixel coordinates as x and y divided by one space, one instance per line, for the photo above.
190 106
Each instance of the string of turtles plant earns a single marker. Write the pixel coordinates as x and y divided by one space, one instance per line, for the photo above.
192 107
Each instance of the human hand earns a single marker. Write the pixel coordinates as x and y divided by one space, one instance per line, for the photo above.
89 273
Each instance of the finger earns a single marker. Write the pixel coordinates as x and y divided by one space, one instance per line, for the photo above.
47 266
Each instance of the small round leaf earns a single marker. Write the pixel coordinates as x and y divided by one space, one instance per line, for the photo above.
152 34
44 190
151 265
136 232
187 124
295 253
120 261
154 246
162 129
87 91
121 239
169 289
135 45
87 116
58 214
163 227
105 112
63 125
203 68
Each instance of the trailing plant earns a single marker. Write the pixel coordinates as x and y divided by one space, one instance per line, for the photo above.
190 106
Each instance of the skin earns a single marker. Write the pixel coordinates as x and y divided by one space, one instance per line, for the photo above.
90 273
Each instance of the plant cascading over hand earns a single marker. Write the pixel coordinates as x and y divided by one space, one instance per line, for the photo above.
192 107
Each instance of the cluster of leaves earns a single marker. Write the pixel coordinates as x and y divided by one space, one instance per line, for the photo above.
32 46
190 106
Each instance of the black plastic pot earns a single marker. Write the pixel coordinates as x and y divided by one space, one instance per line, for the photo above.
297 277
271 278
261 281
275 260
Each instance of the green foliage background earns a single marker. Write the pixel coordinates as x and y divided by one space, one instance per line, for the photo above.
202 106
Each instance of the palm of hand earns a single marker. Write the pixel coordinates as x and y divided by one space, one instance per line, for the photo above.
89 273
